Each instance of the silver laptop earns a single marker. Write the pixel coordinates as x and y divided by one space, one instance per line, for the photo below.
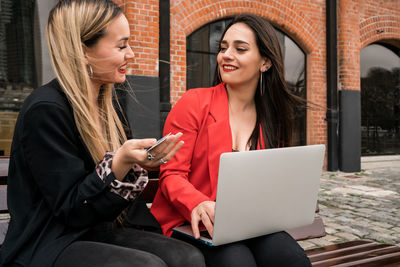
264 191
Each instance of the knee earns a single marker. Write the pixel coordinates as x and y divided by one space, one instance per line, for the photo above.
151 261
231 255
194 257
184 254
137 258
280 249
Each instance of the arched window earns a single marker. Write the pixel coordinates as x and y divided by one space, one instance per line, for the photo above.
17 63
202 50
380 99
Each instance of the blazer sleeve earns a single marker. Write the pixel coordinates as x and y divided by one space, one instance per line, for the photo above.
187 117
73 191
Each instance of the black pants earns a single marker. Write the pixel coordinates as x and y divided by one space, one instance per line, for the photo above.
278 249
121 247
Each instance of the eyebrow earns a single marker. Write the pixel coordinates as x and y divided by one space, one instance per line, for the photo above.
235 42
124 39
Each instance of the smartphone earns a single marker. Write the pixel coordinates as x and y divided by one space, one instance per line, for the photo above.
159 141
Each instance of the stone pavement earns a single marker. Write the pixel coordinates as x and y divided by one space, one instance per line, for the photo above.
363 205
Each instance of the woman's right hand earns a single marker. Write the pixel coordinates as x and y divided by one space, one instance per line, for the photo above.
134 151
203 212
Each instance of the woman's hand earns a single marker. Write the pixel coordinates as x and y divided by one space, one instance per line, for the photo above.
204 212
163 152
134 151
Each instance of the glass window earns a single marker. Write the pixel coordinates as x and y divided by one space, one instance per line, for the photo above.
17 63
380 99
202 50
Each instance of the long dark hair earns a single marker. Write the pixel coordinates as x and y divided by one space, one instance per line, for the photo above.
275 103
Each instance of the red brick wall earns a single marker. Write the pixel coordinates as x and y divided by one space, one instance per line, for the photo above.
143 17
359 24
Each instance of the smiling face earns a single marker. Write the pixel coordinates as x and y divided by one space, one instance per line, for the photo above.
109 56
239 59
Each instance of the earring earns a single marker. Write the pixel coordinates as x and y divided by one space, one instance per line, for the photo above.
219 75
90 70
261 86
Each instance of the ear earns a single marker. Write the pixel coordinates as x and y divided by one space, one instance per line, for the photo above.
266 65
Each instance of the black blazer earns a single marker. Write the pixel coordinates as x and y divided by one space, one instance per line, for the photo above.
54 193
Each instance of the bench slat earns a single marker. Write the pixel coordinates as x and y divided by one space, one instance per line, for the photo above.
340 246
351 251
392 259
355 253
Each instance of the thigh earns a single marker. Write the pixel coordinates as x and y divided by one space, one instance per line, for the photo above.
278 249
89 254
174 252
230 255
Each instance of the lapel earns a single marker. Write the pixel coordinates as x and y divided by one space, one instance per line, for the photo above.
219 134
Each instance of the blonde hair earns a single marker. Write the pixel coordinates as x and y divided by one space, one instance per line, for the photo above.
71 25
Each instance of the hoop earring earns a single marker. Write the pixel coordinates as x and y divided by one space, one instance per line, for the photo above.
262 89
90 70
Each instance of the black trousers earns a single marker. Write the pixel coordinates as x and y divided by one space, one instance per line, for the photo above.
120 247
274 250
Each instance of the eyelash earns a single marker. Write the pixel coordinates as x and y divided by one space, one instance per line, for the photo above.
222 49
122 47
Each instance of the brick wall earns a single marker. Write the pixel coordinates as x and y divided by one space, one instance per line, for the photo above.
143 17
359 24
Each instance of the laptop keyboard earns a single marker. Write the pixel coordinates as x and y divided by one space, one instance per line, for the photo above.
204 233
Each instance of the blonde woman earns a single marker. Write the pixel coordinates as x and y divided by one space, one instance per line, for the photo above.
72 171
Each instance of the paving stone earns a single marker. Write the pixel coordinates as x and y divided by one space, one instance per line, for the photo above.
366 207
321 242
306 244
383 225
332 238
383 238
329 230
347 236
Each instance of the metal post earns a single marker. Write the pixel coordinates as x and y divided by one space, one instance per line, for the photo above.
164 61
332 84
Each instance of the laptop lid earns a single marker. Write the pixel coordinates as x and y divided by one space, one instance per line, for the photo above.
265 191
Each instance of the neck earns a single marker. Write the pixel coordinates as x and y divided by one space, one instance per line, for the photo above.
240 99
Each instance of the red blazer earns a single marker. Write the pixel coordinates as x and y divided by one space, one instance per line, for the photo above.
202 115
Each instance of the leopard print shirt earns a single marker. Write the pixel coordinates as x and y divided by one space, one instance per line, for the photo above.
133 183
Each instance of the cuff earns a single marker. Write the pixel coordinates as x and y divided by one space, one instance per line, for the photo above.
133 183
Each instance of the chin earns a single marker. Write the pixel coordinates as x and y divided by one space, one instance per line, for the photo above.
120 79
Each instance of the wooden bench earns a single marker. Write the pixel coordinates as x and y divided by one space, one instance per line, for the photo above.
352 253
355 253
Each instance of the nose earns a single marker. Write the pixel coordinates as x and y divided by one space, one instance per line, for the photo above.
227 54
129 53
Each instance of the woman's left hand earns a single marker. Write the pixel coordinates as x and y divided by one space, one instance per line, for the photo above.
204 213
